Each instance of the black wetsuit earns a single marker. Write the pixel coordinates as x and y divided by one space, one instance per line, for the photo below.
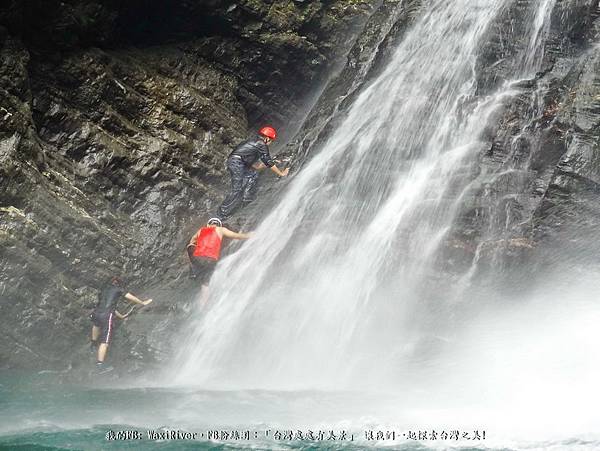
104 313
243 175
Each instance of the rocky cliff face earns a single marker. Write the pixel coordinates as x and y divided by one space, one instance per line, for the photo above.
539 204
115 122
534 196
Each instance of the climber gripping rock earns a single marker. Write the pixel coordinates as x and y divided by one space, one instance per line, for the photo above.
243 163
104 315
204 251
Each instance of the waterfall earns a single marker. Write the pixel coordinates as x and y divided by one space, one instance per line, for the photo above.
341 284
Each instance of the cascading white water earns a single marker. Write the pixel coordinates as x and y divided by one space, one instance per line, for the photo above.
331 291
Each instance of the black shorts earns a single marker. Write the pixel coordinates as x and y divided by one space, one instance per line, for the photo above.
202 268
106 322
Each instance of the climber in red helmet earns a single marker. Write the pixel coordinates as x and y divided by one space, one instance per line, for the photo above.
243 163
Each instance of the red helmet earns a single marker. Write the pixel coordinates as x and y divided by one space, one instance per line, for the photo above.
269 132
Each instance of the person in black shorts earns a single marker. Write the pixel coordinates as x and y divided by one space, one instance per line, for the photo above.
103 316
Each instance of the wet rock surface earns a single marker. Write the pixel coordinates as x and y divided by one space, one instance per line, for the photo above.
543 154
115 123
533 198
113 138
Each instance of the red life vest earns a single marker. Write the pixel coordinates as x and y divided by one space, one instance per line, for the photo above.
208 243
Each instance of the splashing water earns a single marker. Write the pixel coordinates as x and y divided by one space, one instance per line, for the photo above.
340 305
341 286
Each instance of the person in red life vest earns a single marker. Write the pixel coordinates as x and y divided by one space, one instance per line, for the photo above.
105 313
204 250
243 163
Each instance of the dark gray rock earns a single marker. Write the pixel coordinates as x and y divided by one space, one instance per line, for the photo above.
537 202
542 164
115 122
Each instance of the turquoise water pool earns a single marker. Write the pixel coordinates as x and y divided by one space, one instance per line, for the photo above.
41 412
